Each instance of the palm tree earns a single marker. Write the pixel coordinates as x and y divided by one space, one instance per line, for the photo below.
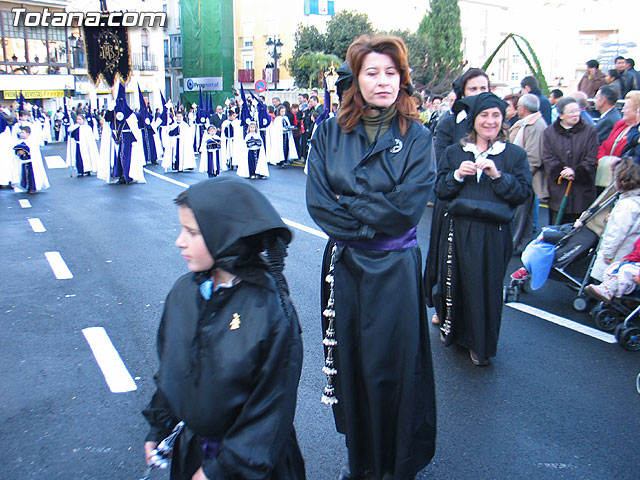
317 63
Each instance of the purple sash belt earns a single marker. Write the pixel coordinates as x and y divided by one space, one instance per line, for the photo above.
382 241
209 447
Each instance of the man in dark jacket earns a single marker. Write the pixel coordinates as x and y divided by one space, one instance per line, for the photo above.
530 84
626 78
218 117
633 142
606 99
631 64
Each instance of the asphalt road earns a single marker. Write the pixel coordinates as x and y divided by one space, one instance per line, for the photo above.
555 403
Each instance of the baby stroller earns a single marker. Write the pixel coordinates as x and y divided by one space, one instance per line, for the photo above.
564 253
617 316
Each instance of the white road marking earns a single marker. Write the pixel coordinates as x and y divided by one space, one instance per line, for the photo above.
304 228
113 368
166 179
24 203
55 161
36 225
291 223
60 269
564 322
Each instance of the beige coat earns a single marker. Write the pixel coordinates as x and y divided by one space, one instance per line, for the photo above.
534 125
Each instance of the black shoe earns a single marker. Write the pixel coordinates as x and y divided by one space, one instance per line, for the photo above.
345 474
476 361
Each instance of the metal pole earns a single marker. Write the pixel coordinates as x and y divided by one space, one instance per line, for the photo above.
275 68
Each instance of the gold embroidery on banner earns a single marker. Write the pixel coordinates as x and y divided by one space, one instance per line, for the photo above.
110 50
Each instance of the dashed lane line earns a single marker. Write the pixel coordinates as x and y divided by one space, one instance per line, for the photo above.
113 368
59 267
115 372
36 225
564 322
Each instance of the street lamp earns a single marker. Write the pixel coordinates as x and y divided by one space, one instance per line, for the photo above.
274 50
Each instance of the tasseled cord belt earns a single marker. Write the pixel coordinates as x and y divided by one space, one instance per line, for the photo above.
381 241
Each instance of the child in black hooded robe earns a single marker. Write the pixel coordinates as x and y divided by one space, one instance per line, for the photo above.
229 342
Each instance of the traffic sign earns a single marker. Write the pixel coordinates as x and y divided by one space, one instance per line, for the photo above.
260 86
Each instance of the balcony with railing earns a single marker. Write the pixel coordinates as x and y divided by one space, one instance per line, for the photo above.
142 62
246 75
270 74
172 62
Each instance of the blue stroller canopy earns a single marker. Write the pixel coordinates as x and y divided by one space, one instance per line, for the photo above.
538 259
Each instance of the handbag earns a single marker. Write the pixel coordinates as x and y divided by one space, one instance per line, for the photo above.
604 174
485 210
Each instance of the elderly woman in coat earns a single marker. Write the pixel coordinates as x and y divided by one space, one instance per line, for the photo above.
569 155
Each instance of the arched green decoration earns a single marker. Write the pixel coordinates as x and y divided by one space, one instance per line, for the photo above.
537 70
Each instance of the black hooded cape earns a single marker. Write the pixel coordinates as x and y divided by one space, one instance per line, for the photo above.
230 365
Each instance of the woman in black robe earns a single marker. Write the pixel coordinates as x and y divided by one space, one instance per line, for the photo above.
229 342
480 182
452 127
370 175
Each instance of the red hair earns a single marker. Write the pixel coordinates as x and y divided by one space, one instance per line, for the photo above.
352 102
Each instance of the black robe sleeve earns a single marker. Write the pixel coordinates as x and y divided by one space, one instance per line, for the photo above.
174 132
158 413
399 210
513 185
160 418
444 134
322 201
75 134
447 186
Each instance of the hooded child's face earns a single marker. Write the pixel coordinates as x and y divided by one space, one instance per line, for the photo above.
191 242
